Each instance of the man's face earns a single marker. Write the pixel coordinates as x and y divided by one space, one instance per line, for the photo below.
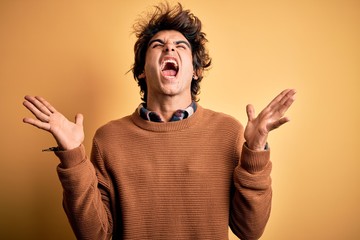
168 65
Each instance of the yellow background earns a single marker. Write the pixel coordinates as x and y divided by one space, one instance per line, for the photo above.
77 54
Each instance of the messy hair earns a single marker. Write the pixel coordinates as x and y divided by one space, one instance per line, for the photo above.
175 18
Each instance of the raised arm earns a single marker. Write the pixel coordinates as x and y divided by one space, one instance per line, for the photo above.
67 134
251 204
86 206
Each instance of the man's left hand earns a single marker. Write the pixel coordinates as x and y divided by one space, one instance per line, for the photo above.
272 117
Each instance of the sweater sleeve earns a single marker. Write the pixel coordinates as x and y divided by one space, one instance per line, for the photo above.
85 201
251 201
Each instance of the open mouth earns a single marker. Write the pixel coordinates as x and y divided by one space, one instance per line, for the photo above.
169 68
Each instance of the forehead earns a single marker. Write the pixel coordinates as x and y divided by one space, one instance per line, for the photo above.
169 35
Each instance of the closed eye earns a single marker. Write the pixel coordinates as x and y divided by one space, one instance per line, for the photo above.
182 44
159 43
156 43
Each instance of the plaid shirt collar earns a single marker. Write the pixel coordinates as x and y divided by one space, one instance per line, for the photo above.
177 116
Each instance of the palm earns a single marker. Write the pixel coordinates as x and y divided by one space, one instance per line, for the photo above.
67 134
65 131
270 118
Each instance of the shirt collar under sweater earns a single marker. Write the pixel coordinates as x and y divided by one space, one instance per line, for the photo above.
177 116
169 126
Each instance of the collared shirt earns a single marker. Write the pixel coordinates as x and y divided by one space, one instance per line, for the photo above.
177 116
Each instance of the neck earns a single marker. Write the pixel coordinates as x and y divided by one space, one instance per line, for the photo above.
167 106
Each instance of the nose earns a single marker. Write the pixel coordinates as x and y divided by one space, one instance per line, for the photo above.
169 47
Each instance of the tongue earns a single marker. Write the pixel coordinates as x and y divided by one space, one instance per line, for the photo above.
169 72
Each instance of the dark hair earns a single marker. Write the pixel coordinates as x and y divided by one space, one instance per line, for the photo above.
166 18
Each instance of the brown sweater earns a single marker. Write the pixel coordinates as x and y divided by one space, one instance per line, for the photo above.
189 179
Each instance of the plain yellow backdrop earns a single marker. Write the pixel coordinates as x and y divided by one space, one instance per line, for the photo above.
77 55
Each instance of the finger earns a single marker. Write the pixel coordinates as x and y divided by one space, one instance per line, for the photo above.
250 111
278 123
46 104
282 102
286 102
279 98
79 119
289 95
38 104
37 123
37 113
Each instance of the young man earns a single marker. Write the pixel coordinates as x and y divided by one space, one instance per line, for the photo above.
172 169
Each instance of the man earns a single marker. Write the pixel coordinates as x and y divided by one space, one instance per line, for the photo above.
172 169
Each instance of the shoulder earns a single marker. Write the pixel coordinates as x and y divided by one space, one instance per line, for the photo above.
223 128
220 118
114 127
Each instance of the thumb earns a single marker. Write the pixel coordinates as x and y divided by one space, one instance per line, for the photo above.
250 111
79 119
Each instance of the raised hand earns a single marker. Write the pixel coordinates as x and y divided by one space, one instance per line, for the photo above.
67 134
272 117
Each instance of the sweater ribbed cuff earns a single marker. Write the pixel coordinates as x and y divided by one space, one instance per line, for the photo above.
254 161
71 158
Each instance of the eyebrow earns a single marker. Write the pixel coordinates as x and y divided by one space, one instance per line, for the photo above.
184 42
176 42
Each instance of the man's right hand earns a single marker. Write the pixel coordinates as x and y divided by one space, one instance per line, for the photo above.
67 134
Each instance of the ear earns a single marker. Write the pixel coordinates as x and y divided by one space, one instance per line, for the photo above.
142 75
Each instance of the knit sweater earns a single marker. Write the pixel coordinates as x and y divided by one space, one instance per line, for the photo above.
189 179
